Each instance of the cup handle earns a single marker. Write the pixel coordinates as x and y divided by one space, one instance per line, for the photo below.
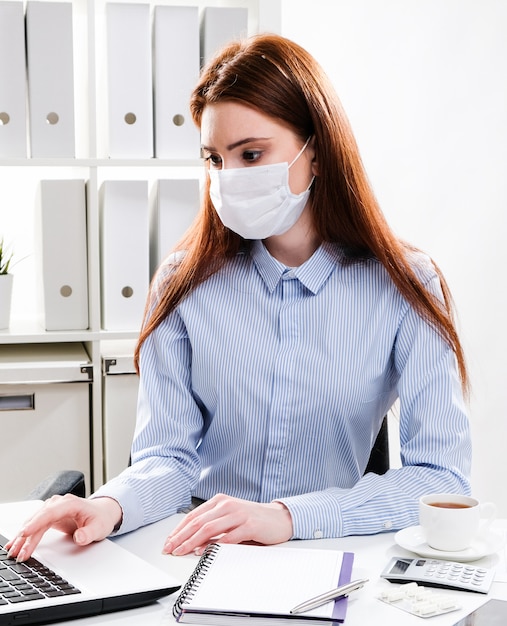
488 515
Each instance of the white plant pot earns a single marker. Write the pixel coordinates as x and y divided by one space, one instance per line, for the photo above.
5 299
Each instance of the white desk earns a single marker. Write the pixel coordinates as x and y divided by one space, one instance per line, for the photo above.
372 554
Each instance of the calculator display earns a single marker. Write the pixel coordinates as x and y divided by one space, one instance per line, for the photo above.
400 566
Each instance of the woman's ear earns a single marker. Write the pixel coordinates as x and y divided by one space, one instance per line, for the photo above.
311 147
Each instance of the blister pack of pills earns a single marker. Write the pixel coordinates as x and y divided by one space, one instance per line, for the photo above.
419 600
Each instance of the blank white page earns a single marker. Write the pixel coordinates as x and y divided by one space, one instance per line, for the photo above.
266 579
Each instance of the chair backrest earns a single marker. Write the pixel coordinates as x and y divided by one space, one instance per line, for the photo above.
379 456
60 483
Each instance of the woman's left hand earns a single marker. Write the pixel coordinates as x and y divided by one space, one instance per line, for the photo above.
230 520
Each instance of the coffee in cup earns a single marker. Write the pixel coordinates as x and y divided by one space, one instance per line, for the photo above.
450 505
451 522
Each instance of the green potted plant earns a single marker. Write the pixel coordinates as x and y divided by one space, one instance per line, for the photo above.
5 285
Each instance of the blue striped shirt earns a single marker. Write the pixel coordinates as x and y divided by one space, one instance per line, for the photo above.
270 383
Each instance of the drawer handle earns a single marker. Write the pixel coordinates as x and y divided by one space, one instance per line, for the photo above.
18 402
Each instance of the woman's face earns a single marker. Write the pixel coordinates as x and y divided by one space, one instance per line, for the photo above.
234 135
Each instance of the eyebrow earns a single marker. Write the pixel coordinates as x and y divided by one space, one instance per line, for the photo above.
236 144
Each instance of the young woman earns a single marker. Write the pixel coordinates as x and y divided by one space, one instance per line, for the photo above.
278 335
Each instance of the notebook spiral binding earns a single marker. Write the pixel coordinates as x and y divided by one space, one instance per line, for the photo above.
197 575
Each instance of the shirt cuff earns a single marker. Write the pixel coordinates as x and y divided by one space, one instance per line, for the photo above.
315 515
132 511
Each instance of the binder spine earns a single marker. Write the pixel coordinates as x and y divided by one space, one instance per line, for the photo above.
50 62
190 587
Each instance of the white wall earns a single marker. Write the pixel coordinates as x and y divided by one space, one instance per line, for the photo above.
424 83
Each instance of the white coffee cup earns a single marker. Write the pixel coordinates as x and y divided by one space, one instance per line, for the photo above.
451 522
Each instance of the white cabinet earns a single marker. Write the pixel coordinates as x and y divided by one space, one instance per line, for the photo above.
19 190
44 414
119 403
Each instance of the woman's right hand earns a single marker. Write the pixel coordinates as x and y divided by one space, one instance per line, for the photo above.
86 520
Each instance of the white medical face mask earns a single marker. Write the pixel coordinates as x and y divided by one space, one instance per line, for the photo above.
256 202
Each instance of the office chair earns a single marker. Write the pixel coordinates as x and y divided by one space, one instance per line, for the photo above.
378 462
59 483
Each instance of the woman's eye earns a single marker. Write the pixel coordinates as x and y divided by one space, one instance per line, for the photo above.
213 160
251 156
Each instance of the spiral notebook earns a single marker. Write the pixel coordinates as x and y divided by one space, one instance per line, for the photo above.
233 582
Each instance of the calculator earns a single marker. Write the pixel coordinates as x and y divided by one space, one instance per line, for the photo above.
439 573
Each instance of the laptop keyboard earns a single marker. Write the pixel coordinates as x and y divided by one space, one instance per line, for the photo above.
30 580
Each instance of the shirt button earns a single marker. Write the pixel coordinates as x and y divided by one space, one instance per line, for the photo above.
288 275
387 525
318 534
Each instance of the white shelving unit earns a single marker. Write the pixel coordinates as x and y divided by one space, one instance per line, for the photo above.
19 181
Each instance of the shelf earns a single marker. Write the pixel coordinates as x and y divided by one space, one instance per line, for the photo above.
88 163
24 333
19 207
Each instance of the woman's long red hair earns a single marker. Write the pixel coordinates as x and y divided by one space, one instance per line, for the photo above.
279 78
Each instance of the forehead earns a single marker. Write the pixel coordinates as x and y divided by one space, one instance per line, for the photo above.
225 123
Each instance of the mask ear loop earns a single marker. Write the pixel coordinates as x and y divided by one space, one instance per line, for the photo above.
297 157
300 152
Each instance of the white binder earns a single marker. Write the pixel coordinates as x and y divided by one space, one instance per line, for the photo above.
219 26
176 71
64 254
129 80
176 206
13 137
124 239
50 78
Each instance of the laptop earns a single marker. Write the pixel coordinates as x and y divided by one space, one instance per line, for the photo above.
82 581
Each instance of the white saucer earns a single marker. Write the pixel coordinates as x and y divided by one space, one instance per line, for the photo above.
414 539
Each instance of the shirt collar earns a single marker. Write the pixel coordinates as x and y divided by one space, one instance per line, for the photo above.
312 273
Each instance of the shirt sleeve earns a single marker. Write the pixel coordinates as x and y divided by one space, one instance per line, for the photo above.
164 462
435 445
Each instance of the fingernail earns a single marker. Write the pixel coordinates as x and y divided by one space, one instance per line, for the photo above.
21 555
79 537
12 549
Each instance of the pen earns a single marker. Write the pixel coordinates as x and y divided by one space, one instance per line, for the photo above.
334 594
